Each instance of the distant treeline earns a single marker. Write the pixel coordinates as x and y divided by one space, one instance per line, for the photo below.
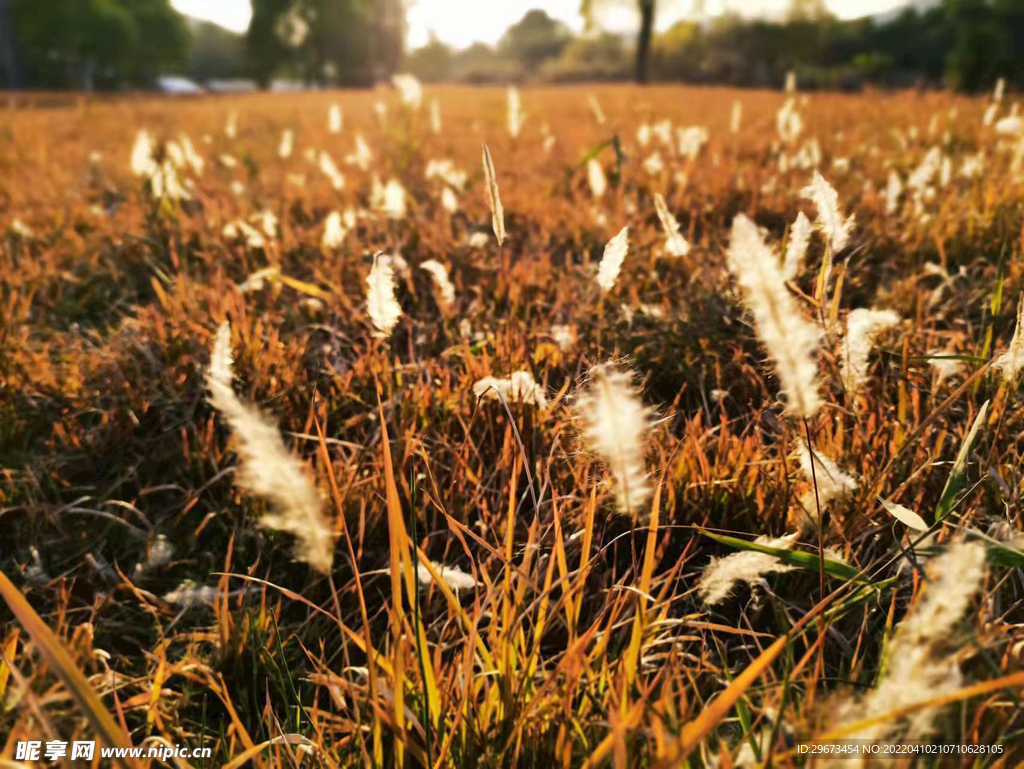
114 44
964 44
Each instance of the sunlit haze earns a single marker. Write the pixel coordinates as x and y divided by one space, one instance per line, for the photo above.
461 23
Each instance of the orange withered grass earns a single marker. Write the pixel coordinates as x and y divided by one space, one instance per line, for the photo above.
488 605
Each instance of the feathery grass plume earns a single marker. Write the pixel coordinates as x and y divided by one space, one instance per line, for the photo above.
790 338
904 515
862 327
643 134
611 261
944 367
142 162
452 576
516 118
257 280
493 199
362 157
721 575
675 243
832 483
791 82
164 183
334 231
922 176
796 247
736 117
999 90
830 219
268 469
788 122
1011 361
1011 125
446 171
920 665
893 190
990 114
596 179
410 90
435 117
653 164
334 119
393 202
330 170
381 304
595 108
449 200
231 127
444 286
192 158
615 424
691 140
240 229
520 387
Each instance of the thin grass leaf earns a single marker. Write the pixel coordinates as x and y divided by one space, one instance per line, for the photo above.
955 482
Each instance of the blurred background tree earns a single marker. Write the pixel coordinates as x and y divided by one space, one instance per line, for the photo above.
535 39
336 42
90 43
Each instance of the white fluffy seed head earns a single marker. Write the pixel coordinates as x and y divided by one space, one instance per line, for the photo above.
520 387
439 273
796 246
675 243
330 170
919 666
791 339
862 327
334 231
452 576
832 483
410 90
1012 361
284 149
516 118
611 262
830 219
596 179
614 426
268 469
893 190
721 575
381 304
334 119
393 201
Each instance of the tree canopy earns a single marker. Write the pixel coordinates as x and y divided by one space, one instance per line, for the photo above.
88 43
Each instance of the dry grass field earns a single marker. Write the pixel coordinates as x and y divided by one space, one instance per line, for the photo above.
341 544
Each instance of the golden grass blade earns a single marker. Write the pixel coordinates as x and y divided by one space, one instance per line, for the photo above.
9 649
493 199
636 642
401 565
955 482
57 656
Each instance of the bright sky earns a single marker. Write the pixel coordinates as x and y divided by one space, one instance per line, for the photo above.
461 23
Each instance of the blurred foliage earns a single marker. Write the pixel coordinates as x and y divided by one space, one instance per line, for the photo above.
964 44
93 43
346 42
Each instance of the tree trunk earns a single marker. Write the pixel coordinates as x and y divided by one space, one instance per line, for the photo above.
643 43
